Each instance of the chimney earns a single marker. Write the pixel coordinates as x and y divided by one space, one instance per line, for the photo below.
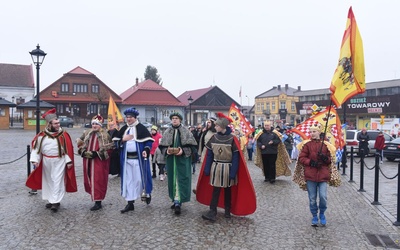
137 81
286 87
279 87
299 88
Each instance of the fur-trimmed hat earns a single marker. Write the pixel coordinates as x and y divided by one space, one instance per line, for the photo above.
98 119
131 111
50 115
176 114
222 120
316 127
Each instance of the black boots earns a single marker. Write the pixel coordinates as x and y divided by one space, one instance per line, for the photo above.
228 213
54 207
129 207
211 215
97 206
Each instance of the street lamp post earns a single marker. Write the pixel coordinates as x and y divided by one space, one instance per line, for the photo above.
12 112
190 100
38 56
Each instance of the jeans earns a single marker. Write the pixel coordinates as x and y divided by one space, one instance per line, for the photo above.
312 189
250 153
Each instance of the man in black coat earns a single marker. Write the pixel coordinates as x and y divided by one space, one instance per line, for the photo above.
268 143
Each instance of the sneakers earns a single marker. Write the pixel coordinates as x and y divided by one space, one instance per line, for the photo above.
177 209
314 221
33 192
161 177
322 219
381 162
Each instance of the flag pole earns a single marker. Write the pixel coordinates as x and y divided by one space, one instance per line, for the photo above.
344 155
326 127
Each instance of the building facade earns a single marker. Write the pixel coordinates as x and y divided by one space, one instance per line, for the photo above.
277 105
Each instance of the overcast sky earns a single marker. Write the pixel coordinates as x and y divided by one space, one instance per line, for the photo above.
195 44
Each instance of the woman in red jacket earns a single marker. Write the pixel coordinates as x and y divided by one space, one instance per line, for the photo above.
380 144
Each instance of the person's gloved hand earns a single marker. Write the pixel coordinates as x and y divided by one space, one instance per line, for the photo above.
313 163
88 154
323 157
94 154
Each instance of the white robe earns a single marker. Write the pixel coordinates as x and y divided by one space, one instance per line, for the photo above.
53 170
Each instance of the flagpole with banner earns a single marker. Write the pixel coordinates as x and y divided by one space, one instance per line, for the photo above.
114 115
349 77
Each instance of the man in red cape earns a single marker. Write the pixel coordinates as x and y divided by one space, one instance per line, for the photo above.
53 158
243 197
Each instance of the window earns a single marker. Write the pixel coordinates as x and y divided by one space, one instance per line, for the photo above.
273 105
282 105
60 108
267 106
103 109
92 108
64 87
2 112
293 106
95 88
258 107
80 88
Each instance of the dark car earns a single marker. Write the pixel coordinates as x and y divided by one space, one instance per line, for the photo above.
392 149
66 121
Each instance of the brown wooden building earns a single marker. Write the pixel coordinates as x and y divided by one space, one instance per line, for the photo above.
79 94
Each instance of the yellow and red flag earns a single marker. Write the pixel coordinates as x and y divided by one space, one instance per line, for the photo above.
113 113
240 121
334 132
349 77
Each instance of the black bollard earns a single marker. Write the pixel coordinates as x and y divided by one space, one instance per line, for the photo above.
28 156
361 171
344 160
397 222
351 164
376 186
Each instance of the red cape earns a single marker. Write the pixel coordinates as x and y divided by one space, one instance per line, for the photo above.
243 200
34 180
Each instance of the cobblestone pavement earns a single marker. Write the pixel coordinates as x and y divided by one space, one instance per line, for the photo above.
282 219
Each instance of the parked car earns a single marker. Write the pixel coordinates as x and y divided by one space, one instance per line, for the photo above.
66 121
351 140
392 150
147 124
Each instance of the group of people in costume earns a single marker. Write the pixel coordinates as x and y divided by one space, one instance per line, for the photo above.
224 180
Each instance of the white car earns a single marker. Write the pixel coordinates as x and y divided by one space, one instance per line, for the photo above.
351 140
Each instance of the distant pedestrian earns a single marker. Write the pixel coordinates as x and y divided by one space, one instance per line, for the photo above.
160 161
53 157
314 169
249 146
95 147
363 145
289 141
115 168
156 137
380 144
